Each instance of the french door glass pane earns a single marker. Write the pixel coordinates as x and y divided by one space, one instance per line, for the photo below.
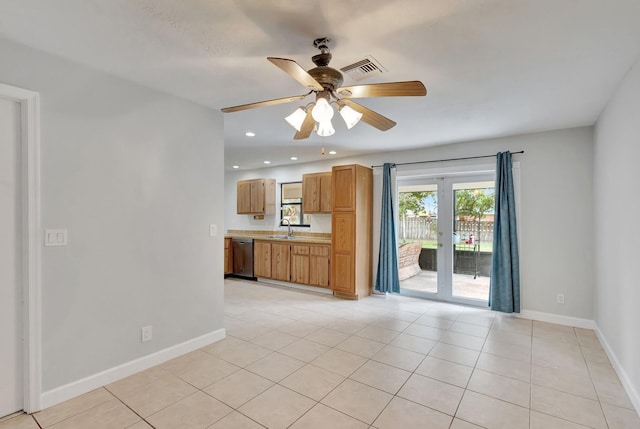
473 239
418 238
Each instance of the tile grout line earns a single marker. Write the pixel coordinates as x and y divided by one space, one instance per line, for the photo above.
131 409
606 421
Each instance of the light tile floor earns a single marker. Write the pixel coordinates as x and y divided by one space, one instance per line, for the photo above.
304 360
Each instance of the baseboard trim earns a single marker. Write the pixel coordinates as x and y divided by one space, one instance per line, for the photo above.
575 322
633 394
87 384
314 289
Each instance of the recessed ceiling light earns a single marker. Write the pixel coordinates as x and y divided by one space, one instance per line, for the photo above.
267 162
250 134
236 166
294 158
332 152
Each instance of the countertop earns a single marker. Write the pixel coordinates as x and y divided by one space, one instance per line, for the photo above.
310 238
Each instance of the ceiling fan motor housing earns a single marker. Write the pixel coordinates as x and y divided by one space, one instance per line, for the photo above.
328 77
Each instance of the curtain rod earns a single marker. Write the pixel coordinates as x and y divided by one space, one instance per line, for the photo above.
441 160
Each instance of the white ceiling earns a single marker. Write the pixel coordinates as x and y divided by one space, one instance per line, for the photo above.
492 67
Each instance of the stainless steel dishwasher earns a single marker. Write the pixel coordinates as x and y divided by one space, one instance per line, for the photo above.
242 257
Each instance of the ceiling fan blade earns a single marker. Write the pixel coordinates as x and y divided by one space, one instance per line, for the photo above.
391 89
307 126
294 70
372 118
264 103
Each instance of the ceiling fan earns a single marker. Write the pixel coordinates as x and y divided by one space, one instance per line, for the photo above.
325 82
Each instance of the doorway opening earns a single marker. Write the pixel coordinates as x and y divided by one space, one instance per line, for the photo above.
445 237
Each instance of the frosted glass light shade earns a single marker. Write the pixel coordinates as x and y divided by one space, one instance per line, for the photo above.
296 118
325 128
350 116
322 111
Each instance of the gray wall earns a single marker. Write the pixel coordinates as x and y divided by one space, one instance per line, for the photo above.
617 183
136 177
556 207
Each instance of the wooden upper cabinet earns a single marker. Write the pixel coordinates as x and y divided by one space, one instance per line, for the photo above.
257 196
344 190
244 197
316 193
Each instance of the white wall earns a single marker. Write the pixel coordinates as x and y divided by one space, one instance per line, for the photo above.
617 207
135 176
556 220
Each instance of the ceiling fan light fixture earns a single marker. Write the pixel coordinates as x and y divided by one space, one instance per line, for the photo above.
296 118
350 116
322 111
325 128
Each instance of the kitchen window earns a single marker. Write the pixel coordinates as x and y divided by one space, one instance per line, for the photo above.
291 204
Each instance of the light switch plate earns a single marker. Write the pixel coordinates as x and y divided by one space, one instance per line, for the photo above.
213 230
55 237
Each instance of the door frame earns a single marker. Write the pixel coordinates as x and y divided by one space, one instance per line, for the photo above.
31 239
457 170
443 177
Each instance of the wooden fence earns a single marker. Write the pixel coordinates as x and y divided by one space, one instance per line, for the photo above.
418 228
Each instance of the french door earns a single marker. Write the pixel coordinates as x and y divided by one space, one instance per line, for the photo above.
451 218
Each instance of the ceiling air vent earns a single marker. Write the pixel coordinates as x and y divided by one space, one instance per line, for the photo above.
363 69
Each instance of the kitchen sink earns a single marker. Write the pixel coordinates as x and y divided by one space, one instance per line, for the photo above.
283 237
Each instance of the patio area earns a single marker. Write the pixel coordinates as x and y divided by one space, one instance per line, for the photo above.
464 285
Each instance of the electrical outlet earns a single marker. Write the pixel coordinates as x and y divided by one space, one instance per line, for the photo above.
213 230
560 298
147 333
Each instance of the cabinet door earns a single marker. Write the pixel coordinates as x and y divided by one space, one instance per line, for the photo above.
228 256
257 196
343 184
280 261
300 264
244 197
343 252
262 259
319 273
325 193
311 193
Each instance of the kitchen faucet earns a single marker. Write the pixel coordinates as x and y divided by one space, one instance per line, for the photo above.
289 231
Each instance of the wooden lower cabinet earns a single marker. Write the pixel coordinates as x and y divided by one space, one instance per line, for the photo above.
280 261
310 264
319 266
306 264
300 264
262 259
228 256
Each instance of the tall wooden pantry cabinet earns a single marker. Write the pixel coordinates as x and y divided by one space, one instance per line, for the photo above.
351 231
